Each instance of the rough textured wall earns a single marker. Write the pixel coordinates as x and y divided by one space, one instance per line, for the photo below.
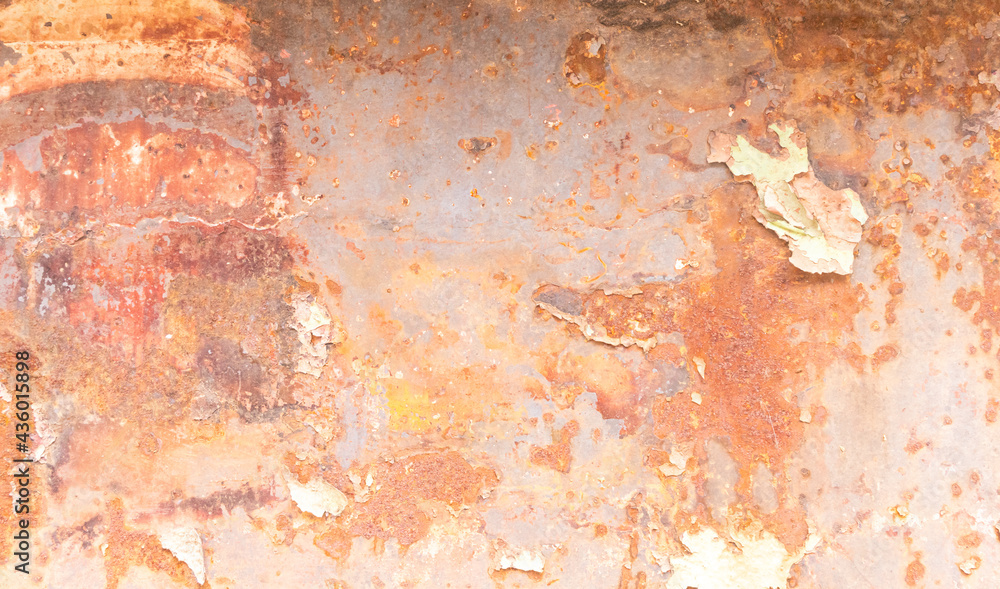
578 293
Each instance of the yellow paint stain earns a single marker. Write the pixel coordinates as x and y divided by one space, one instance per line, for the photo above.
410 408
445 399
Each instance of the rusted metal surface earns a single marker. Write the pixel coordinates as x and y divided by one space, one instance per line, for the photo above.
412 294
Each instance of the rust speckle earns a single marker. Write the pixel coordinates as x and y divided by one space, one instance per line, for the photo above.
992 409
885 235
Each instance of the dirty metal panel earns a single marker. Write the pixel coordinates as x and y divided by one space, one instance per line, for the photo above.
582 293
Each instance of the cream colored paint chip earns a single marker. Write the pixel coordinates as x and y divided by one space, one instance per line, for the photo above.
821 225
759 562
316 497
185 544
699 364
677 462
529 561
317 332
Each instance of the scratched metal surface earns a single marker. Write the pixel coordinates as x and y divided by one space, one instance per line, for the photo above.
447 294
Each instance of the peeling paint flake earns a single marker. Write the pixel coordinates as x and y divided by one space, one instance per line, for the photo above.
822 226
317 497
317 333
185 544
529 561
752 559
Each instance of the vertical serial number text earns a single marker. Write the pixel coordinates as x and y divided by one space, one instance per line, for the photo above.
21 472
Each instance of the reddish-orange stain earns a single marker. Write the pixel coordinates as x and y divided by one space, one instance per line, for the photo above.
557 455
125 171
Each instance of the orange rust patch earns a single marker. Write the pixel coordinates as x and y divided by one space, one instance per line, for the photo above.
789 525
115 296
557 455
884 354
970 540
740 322
393 511
913 445
914 571
601 373
335 543
355 250
583 64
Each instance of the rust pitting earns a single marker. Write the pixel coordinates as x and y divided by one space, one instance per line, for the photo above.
394 511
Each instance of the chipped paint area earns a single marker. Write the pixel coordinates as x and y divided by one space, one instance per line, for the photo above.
185 544
744 560
317 497
608 294
822 226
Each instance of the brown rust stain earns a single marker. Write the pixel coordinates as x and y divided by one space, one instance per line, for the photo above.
98 301
394 510
221 503
226 252
477 146
586 60
118 293
558 455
